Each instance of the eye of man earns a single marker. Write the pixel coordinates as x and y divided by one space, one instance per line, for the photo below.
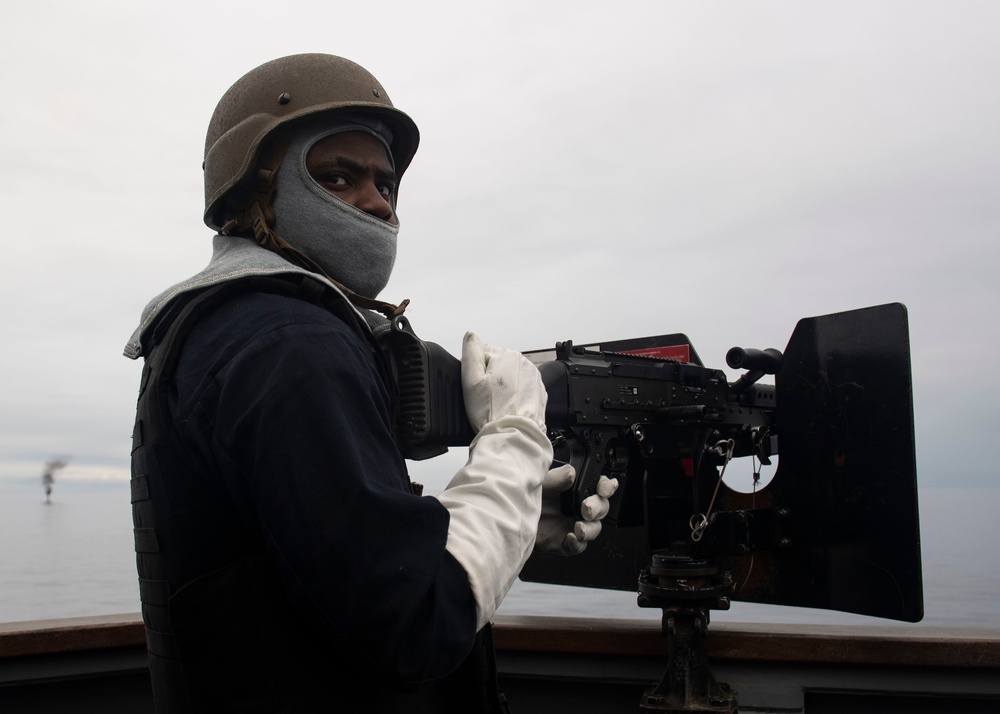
338 180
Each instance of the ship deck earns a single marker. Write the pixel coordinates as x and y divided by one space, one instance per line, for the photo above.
583 665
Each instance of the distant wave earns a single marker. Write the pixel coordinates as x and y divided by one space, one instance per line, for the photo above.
76 473
93 473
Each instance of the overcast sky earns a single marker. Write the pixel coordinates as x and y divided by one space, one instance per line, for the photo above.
587 171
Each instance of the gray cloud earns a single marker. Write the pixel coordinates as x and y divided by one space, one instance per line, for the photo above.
586 173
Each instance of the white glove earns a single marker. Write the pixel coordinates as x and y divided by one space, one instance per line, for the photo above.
494 501
561 534
497 382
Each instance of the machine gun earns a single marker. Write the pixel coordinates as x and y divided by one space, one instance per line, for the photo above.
836 528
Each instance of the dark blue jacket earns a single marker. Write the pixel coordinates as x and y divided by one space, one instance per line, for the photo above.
285 559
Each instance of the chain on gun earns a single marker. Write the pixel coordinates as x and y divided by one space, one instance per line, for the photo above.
699 521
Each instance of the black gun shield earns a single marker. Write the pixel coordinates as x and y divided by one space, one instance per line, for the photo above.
846 478
846 472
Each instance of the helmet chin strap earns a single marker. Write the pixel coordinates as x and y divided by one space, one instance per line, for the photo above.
258 217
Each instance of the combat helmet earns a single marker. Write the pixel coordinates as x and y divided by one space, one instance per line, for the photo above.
247 119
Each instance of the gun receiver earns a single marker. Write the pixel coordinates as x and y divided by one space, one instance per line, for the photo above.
609 409
605 409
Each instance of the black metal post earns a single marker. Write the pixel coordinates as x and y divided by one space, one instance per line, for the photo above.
686 590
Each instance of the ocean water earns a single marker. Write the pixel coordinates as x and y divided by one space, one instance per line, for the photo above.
74 557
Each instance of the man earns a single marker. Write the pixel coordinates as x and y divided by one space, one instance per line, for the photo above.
285 562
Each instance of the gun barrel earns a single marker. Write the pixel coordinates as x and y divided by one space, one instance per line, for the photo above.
692 411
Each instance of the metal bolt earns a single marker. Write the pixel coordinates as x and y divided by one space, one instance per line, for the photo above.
284 98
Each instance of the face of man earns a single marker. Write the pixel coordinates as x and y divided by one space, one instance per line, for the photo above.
355 167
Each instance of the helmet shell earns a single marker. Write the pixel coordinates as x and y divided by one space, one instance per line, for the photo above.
278 93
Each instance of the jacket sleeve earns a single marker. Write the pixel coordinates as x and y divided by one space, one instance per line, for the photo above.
295 421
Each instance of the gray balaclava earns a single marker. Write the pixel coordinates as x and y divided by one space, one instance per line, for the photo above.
351 246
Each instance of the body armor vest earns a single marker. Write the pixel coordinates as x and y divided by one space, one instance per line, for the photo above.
229 639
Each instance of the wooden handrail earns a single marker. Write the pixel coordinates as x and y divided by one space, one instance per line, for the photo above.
816 644
75 634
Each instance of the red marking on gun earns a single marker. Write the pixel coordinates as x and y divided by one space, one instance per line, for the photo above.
678 353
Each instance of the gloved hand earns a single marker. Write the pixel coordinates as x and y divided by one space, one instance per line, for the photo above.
494 501
497 382
564 535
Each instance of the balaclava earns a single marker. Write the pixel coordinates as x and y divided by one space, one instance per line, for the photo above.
349 245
